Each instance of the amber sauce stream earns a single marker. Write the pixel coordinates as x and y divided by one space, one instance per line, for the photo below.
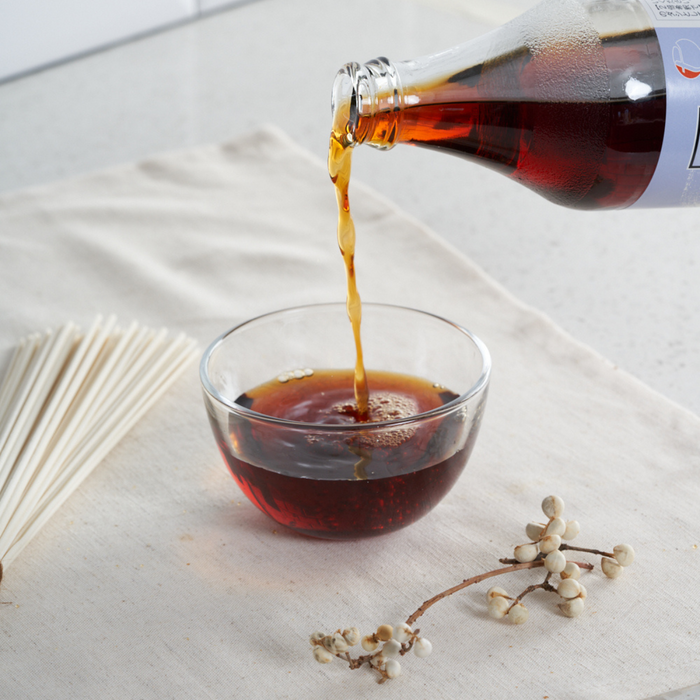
339 166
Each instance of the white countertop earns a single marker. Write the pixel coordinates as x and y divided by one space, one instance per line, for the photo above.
625 283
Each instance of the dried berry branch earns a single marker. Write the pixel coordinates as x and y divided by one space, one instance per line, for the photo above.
545 550
516 566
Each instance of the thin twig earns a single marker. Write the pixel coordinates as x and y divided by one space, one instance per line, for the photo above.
545 586
589 551
470 581
581 564
359 661
407 646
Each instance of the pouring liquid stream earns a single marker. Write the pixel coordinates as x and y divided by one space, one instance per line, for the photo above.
339 166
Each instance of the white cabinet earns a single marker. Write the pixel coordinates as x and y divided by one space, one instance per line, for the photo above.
37 33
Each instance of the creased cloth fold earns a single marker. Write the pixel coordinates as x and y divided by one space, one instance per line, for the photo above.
158 579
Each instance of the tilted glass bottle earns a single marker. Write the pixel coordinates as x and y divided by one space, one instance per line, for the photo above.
573 99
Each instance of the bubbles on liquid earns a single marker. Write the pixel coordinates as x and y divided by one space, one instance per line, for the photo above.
385 406
389 406
294 374
387 438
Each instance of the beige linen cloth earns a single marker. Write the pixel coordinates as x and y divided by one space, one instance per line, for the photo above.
158 579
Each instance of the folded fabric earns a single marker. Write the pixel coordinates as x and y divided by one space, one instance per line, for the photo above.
158 579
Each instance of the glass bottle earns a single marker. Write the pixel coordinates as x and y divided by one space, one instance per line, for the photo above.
579 100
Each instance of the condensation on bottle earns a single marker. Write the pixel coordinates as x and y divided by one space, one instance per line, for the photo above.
594 104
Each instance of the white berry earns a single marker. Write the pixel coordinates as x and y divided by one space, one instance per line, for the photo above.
352 636
584 593
422 648
571 570
369 643
525 552
610 567
518 614
316 637
572 529
322 655
555 562
624 554
402 633
495 592
553 506
335 643
556 526
377 659
534 530
572 607
498 607
569 588
549 543
384 633
393 668
391 649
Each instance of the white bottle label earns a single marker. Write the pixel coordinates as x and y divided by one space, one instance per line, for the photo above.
676 180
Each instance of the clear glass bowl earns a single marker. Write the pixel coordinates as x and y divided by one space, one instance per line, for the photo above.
336 479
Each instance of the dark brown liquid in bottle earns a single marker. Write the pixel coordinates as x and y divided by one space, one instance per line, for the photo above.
342 484
591 158
581 154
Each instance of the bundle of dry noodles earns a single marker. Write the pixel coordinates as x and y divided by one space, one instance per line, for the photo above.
66 399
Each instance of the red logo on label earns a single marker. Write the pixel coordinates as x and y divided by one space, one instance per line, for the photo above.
686 56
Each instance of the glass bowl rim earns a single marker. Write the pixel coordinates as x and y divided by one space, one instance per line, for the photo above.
478 386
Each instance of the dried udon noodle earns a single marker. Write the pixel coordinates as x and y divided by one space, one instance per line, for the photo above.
66 399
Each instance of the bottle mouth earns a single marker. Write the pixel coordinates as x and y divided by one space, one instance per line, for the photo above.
344 104
362 92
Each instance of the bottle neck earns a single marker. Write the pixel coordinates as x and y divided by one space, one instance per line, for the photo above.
367 104
382 103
